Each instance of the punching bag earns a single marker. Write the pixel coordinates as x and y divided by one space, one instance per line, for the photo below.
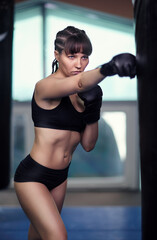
145 12
6 33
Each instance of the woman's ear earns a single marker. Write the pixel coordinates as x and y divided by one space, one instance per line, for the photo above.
56 53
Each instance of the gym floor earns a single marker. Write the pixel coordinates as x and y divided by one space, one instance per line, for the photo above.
87 216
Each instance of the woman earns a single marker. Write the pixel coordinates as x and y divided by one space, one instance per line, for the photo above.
65 110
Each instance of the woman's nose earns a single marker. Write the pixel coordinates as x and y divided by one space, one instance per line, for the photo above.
78 63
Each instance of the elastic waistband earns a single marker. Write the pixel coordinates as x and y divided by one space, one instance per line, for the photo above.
30 161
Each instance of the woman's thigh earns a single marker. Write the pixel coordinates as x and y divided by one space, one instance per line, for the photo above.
41 209
58 195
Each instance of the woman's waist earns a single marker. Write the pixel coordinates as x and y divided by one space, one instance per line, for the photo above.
51 158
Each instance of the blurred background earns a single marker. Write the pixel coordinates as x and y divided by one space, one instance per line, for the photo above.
110 173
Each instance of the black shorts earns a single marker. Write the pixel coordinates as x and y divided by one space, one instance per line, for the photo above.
31 171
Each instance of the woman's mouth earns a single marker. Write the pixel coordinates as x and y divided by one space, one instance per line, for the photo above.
76 72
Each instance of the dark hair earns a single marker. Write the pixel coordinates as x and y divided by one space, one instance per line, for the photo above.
71 40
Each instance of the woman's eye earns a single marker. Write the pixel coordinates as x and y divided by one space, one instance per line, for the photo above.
71 56
85 57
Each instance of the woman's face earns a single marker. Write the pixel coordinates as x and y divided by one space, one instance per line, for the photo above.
71 64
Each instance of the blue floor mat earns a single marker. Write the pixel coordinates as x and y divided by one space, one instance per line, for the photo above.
82 223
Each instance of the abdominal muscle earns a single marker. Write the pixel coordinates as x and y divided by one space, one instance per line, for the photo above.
53 148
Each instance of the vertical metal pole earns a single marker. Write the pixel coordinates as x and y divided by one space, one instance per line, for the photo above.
145 12
6 33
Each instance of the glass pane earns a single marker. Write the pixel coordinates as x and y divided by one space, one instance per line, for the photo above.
27 53
109 36
109 155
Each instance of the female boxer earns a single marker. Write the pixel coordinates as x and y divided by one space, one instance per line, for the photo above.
65 110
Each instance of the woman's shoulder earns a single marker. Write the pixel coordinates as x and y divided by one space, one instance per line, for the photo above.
44 83
47 80
49 77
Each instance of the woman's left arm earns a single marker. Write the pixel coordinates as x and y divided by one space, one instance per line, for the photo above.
92 102
89 136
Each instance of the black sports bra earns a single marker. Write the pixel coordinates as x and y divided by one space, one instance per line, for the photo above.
64 116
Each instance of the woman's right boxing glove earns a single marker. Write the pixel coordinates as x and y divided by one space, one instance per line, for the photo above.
123 64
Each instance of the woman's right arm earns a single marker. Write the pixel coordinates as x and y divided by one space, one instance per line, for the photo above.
52 87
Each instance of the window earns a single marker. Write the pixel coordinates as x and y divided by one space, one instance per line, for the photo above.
114 160
34 33
108 157
27 52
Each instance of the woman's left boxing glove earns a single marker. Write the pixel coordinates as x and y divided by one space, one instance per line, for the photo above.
92 101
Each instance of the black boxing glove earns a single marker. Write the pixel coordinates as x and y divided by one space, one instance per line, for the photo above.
123 64
92 101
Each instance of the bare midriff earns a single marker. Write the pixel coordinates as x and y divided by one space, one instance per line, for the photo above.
53 148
